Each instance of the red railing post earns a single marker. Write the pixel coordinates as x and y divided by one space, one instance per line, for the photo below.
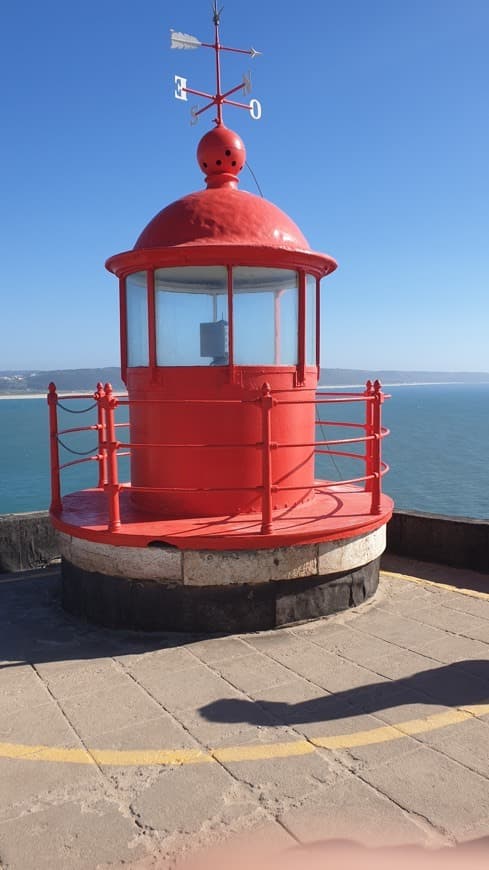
102 453
112 487
266 410
369 431
377 448
55 506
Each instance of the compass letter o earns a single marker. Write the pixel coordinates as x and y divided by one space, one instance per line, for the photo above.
255 109
181 84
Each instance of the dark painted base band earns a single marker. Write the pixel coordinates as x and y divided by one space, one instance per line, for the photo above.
116 602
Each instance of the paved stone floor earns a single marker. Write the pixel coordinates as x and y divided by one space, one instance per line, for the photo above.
118 749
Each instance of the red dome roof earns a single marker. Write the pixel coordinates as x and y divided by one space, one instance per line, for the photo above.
222 216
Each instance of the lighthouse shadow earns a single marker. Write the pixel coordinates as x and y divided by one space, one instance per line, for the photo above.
462 684
35 629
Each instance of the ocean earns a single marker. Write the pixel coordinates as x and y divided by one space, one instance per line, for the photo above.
436 450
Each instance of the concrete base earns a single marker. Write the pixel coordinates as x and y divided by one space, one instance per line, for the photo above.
149 606
161 588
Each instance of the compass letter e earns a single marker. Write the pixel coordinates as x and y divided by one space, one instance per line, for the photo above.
180 85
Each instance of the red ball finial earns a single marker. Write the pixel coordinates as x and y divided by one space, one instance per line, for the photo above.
221 154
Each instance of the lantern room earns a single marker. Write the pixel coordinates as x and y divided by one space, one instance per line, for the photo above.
224 523
220 294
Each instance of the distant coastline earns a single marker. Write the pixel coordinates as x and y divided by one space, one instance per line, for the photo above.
34 384
402 384
20 395
67 394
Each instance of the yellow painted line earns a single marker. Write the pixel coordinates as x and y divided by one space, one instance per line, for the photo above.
477 709
45 753
401 729
149 757
359 738
472 593
438 720
109 757
251 752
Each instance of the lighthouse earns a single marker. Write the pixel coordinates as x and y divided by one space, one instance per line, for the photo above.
223 525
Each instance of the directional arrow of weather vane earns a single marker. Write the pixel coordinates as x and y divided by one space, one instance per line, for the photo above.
186 41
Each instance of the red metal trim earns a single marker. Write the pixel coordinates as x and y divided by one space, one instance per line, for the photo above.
301 349
127 402
369 429
343 400
92 428
112 487
343 453
123 326
80 518
376 458
218 95
267 508
340 423
315 486
348 482
102 435
54 449
79 461
318 326
276 327
222 446
360 440
151 317
189 489
208 254
230 323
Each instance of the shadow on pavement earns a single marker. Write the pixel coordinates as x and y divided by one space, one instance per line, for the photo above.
458 684
458 578
34 628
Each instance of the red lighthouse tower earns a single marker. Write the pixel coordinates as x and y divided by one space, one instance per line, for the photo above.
223 525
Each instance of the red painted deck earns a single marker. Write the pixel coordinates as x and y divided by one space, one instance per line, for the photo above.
334 513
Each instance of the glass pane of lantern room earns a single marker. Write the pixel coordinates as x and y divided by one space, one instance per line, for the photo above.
137 320
265 316
191 316
310 320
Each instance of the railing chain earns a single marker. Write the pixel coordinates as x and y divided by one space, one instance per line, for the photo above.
74 411
77 452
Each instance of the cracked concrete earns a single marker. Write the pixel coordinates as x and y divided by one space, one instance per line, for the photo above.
125 749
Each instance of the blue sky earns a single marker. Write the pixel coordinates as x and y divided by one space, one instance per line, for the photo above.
374 139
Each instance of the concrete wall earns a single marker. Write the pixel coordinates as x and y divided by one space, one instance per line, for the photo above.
28 540
457 541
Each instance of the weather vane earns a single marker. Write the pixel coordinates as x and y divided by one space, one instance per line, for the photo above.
185 41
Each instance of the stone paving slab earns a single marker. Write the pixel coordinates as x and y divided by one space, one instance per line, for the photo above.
445 793
124 749
69 835
354 810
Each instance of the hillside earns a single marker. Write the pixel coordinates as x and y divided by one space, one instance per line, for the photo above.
67 380
23 383
341 377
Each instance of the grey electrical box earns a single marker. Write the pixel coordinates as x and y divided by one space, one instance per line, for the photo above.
214 341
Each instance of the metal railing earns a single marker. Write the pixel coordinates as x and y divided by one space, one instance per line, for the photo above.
109 447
